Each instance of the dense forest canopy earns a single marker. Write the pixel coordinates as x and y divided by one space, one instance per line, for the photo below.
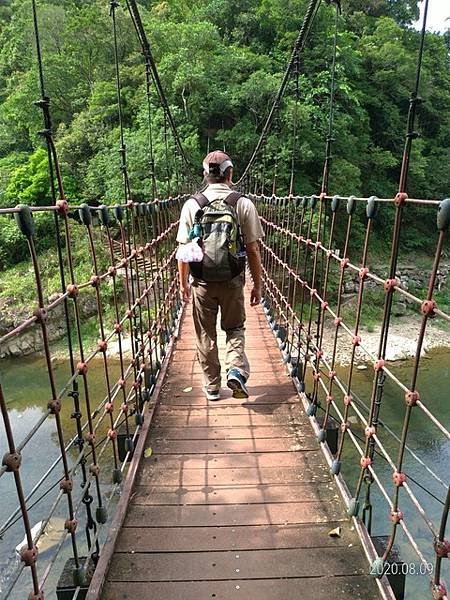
220 62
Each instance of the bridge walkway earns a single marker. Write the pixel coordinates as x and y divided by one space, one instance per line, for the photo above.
236 499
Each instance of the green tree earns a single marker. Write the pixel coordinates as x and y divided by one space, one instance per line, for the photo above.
29 183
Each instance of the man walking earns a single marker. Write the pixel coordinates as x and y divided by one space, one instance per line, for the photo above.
227 228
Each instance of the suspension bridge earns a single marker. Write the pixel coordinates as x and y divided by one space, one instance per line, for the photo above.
163 494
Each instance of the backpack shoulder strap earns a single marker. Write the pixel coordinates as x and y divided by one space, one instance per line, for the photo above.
232 198
201 199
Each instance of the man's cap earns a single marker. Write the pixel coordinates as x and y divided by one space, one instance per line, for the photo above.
216 163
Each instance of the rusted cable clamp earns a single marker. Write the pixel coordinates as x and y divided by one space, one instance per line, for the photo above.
442 548
12 461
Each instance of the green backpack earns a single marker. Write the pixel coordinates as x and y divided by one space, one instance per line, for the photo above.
217 227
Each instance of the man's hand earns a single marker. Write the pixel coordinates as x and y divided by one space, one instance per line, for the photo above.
185 292
183 273
254 263
255 296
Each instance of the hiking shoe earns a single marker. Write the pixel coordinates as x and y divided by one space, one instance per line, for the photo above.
211 394
236 382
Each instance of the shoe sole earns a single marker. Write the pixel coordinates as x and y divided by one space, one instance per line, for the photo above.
212 399
238 391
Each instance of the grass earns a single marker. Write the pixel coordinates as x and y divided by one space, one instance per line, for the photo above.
443 299
89 334
18 285
18 282
372 309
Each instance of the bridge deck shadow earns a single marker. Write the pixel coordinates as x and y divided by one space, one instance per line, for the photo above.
236 499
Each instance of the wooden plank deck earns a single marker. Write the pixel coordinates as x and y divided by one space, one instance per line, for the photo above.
236 499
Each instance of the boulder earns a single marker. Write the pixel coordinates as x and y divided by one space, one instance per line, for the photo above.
399 309
88 305
350 287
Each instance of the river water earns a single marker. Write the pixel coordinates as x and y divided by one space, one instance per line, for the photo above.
429 445
26 390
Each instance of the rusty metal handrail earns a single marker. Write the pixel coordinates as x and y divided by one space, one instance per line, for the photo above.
301 267
147 314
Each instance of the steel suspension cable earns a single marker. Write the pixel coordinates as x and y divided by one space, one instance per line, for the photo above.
148 81
146 50
296 72
114 4
330 138
322 278
299 45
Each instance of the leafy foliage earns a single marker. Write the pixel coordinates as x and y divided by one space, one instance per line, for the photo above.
220 62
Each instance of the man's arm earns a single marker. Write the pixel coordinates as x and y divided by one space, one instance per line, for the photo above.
254 263
183 272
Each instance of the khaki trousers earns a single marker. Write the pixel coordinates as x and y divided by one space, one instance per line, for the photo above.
207 298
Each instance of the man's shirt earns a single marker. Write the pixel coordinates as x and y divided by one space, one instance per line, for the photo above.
246 212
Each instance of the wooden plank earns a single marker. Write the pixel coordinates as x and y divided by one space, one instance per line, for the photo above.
220 494
195 391
269 356
267 386
257 366
248 537
251 403
251 421
246 476
233 446
296 461
353 587
222 433
251 348
246 408
270 376
191 379
253 342
248 564
236 497
228 516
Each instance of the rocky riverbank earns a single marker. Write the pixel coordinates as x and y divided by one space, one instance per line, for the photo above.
30 340
401 345
402 341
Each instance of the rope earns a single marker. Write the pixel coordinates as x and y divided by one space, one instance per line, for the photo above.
148 80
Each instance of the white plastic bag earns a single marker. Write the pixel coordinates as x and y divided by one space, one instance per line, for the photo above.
190 252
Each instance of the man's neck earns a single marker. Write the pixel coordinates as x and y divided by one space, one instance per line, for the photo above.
221 184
